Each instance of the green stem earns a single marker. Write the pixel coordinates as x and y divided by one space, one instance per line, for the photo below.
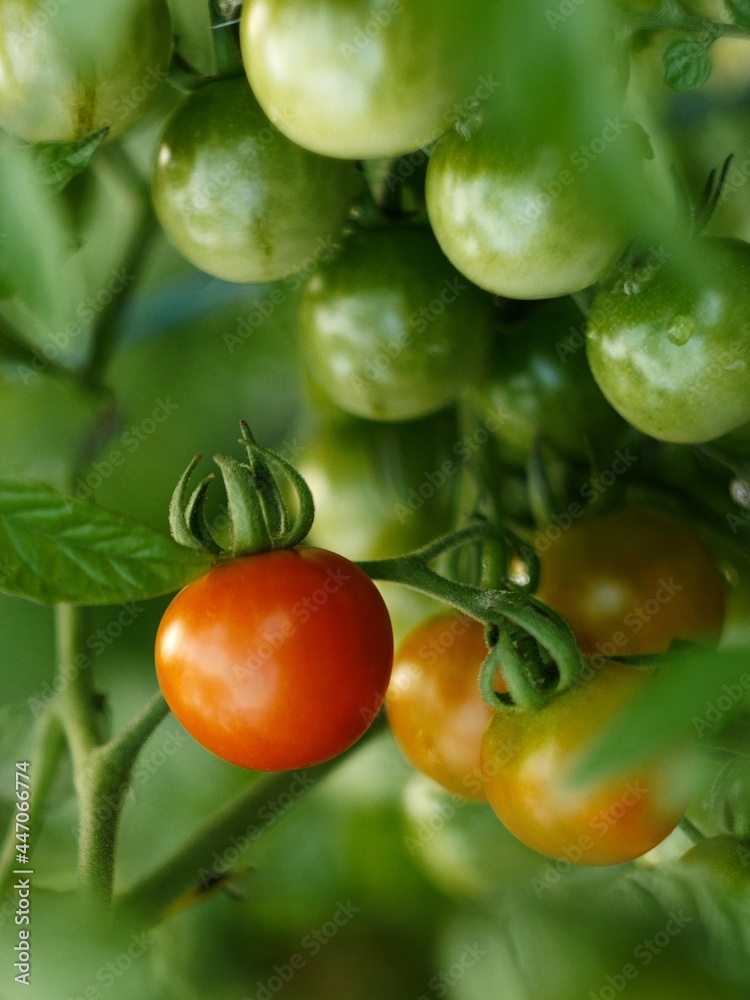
45 762
672 17
109 322
498 607
217 844
691 830
108 772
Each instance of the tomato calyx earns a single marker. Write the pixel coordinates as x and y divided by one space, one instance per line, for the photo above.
260 518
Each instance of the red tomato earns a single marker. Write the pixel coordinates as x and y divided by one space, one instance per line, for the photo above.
526 760
435 710
276 661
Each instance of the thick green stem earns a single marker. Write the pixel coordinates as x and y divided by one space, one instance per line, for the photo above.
216 846
510 609
108 770
45 762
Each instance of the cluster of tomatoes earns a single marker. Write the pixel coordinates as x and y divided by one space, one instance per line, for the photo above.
304 164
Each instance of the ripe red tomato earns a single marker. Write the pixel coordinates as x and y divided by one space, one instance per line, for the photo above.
278 660
526 758
631 582
435 710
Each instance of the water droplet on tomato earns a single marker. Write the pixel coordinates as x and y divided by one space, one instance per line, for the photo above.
680 330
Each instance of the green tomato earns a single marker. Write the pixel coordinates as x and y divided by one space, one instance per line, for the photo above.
381 489
240 200
670 351
70 68
390 330
361 79
540 385
521 222
725 857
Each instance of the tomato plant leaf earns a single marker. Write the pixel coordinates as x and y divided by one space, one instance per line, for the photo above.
55 548
740 11
693 697
60 162
685 64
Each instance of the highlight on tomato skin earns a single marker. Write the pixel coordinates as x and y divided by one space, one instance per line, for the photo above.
632 581
276 661
435 710
527 759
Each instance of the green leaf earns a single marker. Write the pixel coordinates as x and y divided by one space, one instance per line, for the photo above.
686 64
740 11
60 162
55 548
693 697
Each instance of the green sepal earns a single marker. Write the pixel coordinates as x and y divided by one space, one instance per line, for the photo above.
250 532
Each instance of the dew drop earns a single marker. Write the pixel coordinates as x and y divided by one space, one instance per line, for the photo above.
680 330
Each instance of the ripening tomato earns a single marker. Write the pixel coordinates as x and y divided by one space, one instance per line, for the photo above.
527 758
435 710
278 660
631 582
237 198
70 68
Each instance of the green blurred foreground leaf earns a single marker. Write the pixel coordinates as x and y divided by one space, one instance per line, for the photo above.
694 697
57 549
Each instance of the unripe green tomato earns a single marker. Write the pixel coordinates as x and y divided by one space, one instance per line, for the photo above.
724 856
361 79
380 489
236 197
539 385
670 349
390 330
70 68
520 222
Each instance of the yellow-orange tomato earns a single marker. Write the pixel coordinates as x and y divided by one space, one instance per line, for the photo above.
631 582
434 707
526 761
278 660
